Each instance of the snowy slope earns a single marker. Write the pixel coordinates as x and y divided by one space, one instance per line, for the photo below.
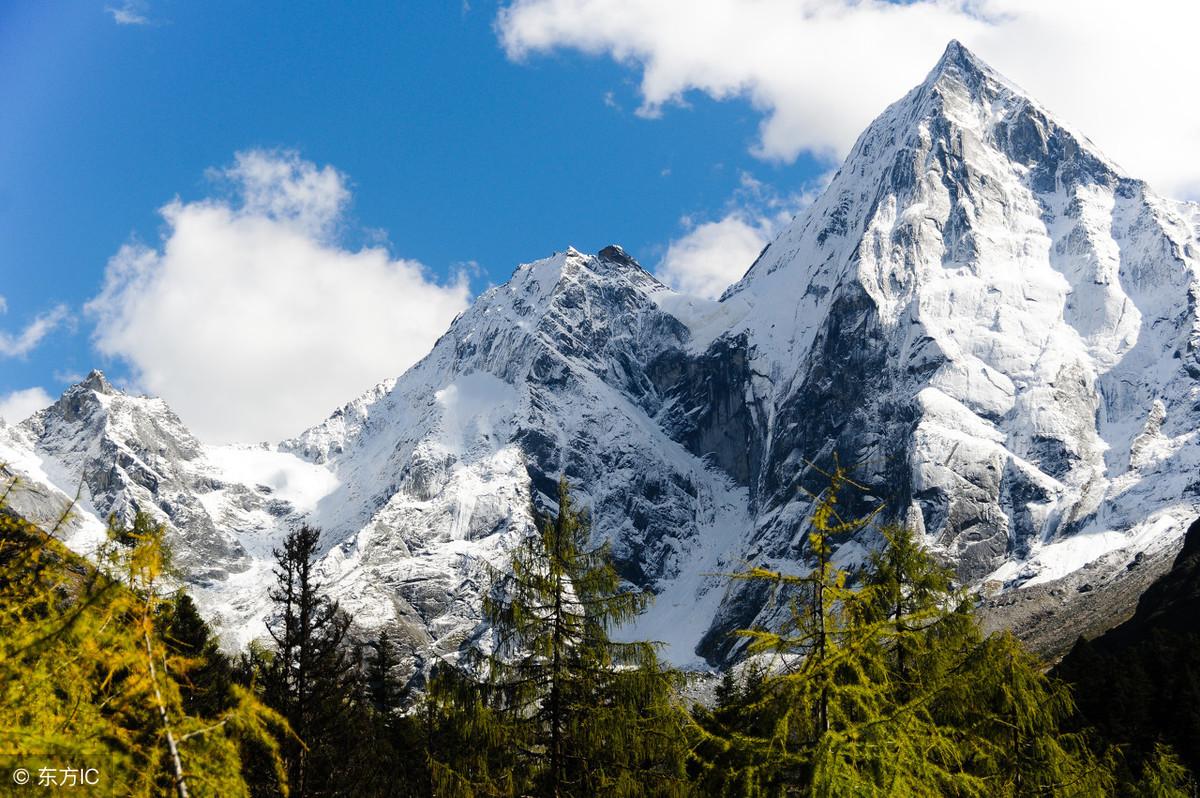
544 376
99 452
997 324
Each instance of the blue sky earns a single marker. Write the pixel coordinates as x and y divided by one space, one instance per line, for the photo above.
455 152
465 137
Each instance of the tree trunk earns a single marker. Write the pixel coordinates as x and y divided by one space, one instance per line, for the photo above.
180 783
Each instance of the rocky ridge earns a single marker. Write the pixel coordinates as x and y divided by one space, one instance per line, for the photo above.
995 323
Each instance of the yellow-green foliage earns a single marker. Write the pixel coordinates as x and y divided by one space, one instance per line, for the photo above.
887 687
85 677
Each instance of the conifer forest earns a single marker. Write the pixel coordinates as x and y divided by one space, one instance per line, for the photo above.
876 682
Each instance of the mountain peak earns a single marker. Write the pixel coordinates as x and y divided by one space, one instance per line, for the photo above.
959 69
962 63
97 382
957 56
617 254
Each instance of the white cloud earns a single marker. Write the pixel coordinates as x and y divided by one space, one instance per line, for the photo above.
130 12
712 255
17 406
820 70
23 343
251 320
282 187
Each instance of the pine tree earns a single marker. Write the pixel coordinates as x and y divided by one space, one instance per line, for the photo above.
389 749
825 677
913 596
206 686
1164 776
888 687
728 693
470 748
584 714
384 691
310 679
1017 719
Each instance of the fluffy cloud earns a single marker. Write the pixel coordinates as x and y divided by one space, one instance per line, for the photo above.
820 70
251 320
712 255
23 343
20 405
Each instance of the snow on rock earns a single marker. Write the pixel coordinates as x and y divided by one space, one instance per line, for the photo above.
280 474
994 322
998 321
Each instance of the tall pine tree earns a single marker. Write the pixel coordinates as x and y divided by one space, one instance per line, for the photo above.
582 714
310 678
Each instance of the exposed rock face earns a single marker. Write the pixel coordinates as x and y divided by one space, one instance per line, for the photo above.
996 324
100 452
128 453
995 321
571 368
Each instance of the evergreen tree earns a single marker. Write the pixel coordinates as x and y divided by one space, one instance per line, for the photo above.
310 678
470 748
384 691
581 713
926 624
387 752
728 693
1163 776
888 687
206 686
1015 721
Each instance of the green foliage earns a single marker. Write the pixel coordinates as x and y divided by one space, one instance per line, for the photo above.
580 713
877 683
206 686
887 687
88 675
311 678
1164 776
470 748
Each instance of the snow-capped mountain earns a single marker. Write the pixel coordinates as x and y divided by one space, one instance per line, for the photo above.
999 323
99 452
559 371
996 323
